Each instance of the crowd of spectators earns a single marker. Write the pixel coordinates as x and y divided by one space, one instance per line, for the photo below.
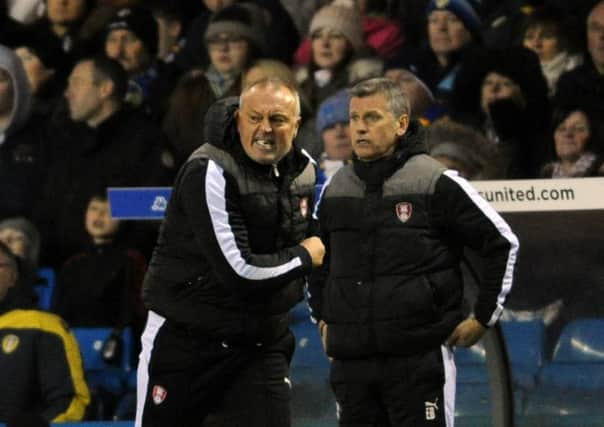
101 93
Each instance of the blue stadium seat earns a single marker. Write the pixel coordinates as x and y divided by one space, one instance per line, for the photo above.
578 360
525 342
313 403
45 286
471 365
572 384
99 374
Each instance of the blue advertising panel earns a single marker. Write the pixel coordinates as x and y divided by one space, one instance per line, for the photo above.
138 203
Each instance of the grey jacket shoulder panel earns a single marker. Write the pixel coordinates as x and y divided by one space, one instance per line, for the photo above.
417 176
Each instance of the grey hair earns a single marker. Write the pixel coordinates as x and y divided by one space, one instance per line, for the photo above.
274 82
397 100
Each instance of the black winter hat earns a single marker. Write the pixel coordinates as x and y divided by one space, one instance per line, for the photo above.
141 22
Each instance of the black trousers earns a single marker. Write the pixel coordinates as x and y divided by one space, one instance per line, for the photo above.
185 380
412 391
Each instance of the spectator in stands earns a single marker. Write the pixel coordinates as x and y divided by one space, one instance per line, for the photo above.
453 28
46 86
187 106
503 93
23 239
173 19
60 28
333 130
104 144
578 145
12 32
40 360
381 34
336 35
389 301
235 37
229 265
20 162
276 21
463 149
423 105
101 286
545 34
132 40
586 83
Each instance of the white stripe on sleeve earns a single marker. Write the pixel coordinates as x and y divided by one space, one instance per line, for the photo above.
504 230
215 186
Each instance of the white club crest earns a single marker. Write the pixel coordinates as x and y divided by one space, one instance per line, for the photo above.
159 394
404 211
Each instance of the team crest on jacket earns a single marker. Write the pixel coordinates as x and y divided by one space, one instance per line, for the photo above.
10 343
304 206
403 211
159 394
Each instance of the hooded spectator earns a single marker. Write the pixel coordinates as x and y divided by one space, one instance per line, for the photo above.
19 140
503 93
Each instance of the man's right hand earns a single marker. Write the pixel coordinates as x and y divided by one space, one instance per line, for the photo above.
314 246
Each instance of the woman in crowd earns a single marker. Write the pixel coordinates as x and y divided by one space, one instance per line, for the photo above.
576 136
545 35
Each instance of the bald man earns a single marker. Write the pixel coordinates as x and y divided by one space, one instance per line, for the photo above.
229 264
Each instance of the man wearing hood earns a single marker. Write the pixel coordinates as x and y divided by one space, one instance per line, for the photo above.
229 264
19 143
388 300
41 367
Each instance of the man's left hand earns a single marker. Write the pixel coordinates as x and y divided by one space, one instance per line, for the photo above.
467 333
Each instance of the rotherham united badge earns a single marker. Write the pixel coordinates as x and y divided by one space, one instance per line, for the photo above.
159 394
304 206
403 211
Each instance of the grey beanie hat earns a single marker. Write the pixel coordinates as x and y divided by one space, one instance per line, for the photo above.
32 235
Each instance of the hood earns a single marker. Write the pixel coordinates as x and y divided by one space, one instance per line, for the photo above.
22 98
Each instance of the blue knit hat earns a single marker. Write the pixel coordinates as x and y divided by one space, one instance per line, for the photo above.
465 10
333 110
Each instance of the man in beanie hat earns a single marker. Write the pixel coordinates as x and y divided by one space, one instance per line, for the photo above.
132 38
453 27
464 10
236 35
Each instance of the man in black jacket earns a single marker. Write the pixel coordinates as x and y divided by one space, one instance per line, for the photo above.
229 263
388 301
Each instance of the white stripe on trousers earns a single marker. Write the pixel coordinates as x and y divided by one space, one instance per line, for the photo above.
154 324
449 387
